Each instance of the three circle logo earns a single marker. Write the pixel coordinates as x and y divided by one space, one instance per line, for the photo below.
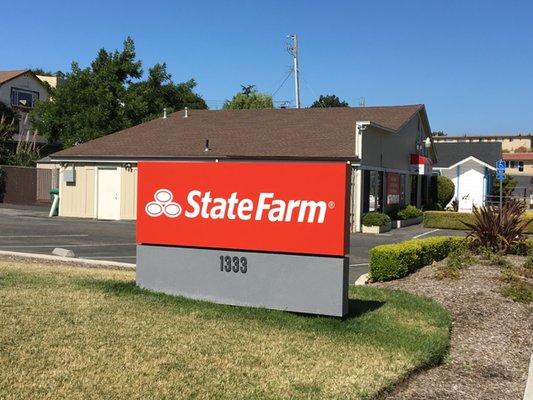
163 204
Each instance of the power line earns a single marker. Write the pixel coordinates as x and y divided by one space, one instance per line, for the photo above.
308 85
282 83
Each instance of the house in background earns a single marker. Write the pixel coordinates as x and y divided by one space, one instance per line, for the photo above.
470 166
19 91
520 167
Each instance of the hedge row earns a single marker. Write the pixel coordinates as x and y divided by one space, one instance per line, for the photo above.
393 261
456 220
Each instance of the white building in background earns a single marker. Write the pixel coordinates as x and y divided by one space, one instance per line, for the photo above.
471 167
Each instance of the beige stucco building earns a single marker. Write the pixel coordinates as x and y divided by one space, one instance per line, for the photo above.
510 143
388 148
519 164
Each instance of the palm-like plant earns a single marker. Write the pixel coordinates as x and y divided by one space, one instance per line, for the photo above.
499 230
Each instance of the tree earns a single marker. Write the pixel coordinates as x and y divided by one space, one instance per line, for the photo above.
8 126
508 186
438 133
445 190
108 96
329 100
41 71
157 92
249 98
522 149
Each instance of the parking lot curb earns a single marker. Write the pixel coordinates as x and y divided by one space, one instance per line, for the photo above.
72 260
361 280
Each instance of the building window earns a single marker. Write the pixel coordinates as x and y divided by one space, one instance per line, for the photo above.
520 166
23 98
414 189
394 189
373 191
511 164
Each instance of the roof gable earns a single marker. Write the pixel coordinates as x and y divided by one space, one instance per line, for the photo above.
471 158
6 76
449 154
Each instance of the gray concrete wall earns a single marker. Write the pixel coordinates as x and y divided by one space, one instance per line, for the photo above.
306 284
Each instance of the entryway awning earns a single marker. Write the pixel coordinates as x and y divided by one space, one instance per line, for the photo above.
421 165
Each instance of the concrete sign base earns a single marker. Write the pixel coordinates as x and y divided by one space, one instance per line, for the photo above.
298 283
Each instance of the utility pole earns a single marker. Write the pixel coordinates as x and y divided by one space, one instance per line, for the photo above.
293 49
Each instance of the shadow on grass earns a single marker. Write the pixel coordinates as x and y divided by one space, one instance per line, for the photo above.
356 307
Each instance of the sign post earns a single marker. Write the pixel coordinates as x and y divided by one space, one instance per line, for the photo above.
259 234
500 175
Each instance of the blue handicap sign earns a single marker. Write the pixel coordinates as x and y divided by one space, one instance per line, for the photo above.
500 166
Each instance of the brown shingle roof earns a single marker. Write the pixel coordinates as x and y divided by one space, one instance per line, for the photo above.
276 133
8 75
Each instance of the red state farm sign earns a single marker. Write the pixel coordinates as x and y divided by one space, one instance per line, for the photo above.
276 207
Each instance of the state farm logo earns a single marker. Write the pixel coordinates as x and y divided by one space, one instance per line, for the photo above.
163 204
203 205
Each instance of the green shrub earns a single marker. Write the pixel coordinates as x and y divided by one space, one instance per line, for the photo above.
459 258
392 212
501 229
409 212
375 219
393 261
519 291
445 190
432 207
447 219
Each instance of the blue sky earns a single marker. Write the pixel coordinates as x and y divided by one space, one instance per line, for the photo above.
470 62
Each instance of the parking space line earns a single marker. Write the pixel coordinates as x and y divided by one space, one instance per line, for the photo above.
358 265
40 236
425 233
66 245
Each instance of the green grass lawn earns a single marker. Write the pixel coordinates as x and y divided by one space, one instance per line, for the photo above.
76 333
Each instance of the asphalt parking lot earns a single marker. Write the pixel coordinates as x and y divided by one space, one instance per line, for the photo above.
30 230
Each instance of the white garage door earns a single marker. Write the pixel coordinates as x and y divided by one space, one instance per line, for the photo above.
108 204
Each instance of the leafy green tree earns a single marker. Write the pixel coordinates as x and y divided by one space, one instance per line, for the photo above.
249 98
26 154
329 100
8 126
108 96
508 186
445 190
157 92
